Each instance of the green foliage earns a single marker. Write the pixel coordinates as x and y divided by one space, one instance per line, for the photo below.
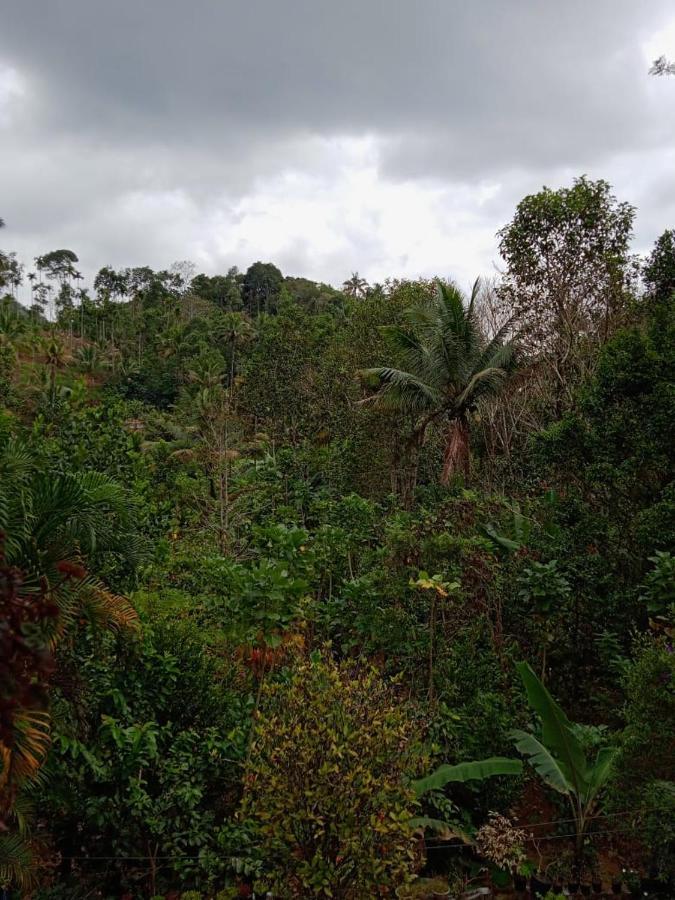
442 367
656 820
326 783
16 861
149 740
567 259
261 288
468 771
659 271
204 442
647 739
559 757
227 894
543 585
57 523
658 593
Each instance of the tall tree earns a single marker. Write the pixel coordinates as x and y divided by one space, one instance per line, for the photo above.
236 329
262 285
111 285
59 266
223 290
659 271
442 368
355 286
11 272
568 272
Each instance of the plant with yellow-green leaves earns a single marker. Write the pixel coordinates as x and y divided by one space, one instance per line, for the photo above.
328 783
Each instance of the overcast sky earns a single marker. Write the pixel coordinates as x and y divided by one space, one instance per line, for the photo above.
392 137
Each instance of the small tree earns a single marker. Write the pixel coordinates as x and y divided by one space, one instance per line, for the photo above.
327 784
218 428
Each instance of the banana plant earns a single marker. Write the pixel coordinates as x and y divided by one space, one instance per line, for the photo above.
478 770
559 757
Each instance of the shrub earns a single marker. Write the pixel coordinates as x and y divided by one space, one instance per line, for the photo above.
658 592
648 738
228 893
327 784
643 780
501 842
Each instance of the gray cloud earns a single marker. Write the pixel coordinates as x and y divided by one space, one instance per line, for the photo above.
145 131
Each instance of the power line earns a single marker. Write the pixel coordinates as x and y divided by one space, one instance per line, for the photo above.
431 841
551 837
625 812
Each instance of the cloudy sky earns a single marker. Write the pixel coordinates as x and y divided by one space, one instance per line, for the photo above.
392 137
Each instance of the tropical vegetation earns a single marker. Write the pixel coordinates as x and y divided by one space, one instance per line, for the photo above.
341 592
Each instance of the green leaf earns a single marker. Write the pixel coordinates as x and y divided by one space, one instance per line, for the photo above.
601 771
541 760
558 737
490 531
446 830
478 770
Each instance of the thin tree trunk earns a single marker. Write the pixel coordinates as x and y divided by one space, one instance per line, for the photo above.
432 638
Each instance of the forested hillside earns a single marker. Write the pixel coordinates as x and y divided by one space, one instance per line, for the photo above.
341 592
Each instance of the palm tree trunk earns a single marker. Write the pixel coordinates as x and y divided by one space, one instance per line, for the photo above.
456 457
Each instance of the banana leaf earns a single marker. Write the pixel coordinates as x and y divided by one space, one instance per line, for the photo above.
477 770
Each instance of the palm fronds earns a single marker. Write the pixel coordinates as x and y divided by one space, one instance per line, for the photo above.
401 390
16 861
441 368
53 528
22 759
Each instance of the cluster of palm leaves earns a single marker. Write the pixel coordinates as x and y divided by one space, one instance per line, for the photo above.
56 524
54 528
443 367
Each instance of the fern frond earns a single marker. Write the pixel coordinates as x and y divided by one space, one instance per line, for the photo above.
16 861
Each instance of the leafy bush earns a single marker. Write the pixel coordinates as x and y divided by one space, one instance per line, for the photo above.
659 586
146 753
327 783
644 780
542 584
649 736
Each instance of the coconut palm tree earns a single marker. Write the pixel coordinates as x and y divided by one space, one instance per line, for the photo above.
443 367
355 286
88 358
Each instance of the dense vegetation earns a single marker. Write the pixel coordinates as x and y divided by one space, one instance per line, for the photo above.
328 592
